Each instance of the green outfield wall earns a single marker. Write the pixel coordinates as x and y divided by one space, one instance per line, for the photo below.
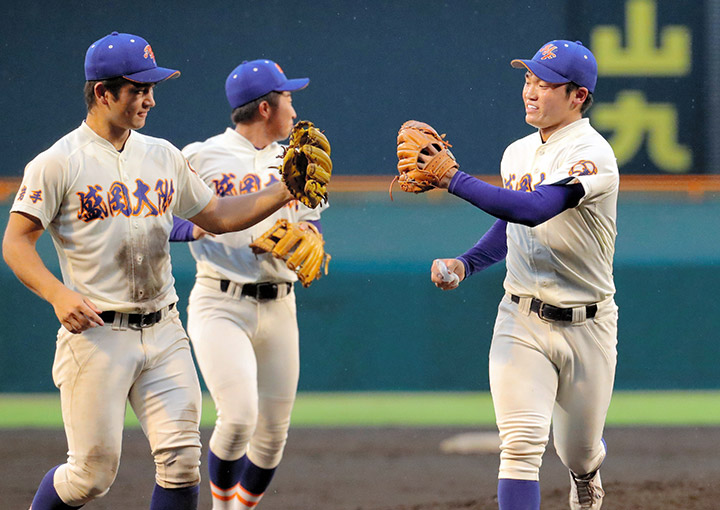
376 323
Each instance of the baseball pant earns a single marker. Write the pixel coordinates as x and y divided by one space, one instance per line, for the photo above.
98 372
542 371
248 353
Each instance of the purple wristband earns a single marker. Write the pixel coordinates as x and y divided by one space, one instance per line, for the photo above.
182 231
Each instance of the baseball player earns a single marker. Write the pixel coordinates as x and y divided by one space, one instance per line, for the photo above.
242 315
107 194
553 351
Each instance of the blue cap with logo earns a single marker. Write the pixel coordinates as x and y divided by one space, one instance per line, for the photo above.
254 79
563 61
126 55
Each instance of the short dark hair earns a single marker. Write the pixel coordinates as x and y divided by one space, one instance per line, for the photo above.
247 111
112 85
572 87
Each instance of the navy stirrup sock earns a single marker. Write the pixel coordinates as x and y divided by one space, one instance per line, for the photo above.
175 499
518 494
224 474
46 497
255 479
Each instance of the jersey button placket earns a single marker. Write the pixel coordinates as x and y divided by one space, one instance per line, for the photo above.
133 233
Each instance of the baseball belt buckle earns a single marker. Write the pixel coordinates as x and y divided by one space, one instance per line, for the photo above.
266 291
550 313
149 319
541 312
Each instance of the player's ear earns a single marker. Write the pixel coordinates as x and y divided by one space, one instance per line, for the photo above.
101 93
264 110
580 95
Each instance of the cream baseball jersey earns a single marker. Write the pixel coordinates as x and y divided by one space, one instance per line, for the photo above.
545 261
231 165
120 204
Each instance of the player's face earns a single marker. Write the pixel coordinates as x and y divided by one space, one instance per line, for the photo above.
282 118
130 109
547 105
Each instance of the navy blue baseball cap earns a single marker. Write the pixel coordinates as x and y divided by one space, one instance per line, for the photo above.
126 55
254 79
563 61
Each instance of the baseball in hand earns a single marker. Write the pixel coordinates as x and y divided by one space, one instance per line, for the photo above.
445 275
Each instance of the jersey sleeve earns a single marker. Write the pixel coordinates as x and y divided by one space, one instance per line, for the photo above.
43 187
192 192
593 166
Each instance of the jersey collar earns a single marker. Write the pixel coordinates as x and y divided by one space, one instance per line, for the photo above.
240 140
102 142
567 130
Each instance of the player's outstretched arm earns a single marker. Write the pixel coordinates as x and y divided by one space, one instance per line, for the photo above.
73 310
530 209
447 274
233 213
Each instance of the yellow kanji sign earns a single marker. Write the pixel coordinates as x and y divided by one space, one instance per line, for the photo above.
640 56
634 120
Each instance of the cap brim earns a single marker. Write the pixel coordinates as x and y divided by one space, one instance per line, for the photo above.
293 85
154 75
539 70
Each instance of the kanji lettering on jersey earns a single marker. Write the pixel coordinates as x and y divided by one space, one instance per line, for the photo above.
142 200
92 206
165 191
224 186
525 183
36 196
119 199
250 184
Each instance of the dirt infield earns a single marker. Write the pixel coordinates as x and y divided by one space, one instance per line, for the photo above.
402 469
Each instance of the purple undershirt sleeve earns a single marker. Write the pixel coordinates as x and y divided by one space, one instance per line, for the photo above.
182 231
530 209
491 248
317 224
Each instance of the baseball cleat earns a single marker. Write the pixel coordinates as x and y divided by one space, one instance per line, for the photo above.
586 493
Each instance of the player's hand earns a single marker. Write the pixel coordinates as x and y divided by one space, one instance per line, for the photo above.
447 274
199 233
74 311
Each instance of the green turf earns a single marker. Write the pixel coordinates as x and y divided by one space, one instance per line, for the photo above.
680 408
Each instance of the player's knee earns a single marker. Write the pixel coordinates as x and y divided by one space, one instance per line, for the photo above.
581 460
521 457
269 443
178 467
233 435
89 480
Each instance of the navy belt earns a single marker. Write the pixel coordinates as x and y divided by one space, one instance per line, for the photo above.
554 313
136 320
260 291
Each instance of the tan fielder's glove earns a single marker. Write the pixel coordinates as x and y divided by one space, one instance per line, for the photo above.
413 138
300 245
306 166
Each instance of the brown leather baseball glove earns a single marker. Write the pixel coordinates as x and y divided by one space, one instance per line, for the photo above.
306 166
414 138
300 245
